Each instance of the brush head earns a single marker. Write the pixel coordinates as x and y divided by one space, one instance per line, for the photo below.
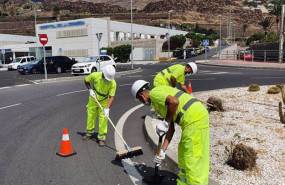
153 179
136 151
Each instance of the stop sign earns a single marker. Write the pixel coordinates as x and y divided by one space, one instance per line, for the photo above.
43 39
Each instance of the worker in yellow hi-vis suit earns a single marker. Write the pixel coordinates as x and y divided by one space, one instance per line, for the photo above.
179 107
175 74
104 89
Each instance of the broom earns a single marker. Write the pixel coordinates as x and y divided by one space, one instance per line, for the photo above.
130 152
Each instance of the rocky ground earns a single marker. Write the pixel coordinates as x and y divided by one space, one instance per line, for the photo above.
253 116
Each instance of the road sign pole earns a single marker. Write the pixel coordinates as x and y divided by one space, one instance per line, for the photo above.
45 64
3 58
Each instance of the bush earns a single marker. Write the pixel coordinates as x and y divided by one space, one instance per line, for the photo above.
255 37
253 88
273 90
122 53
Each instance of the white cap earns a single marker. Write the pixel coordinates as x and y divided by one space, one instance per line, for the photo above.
137 86
194 67
109 72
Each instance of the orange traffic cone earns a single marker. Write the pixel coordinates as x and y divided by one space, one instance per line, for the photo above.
189 87
66 149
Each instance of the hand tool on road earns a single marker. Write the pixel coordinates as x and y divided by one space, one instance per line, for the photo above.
130 152
155 178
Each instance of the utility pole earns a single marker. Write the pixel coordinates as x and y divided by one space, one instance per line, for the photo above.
281 37
132 36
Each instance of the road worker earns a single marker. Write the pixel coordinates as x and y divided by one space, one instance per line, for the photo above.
175 74
179 107
104 88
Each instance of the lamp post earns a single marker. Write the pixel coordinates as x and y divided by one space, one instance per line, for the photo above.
132 36
99 36
35 11
220 40
169 12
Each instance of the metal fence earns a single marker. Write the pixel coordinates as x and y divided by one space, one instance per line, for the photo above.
258 55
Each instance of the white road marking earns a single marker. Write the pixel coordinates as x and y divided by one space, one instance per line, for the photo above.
135 76
71 92
203 79
267 77
127 163
22 85
10 106
124 85
5 88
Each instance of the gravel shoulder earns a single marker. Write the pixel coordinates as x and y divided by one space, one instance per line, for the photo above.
254 117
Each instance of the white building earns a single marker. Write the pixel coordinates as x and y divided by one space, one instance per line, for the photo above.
77 38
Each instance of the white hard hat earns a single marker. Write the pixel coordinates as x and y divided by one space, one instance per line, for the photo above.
109 72
194 67
137 86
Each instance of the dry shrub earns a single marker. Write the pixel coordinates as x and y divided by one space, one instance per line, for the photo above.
242 157
253 88
279 86
215 104
273 90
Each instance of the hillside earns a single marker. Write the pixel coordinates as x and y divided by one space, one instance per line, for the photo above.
149 12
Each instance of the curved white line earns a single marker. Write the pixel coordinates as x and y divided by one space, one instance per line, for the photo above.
127 163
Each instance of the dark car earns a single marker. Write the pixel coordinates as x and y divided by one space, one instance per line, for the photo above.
31 68
58 64
180 53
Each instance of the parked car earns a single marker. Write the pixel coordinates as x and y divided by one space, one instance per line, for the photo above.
31 67
192 51
1 64
91 64
58 64
244 55
198 51
20 61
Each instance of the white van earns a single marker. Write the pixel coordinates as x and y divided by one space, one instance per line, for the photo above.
20 61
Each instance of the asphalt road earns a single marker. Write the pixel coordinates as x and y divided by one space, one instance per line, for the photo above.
32 118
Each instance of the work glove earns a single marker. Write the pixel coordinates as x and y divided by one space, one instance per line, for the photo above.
162 127
106 112
158 159
91 93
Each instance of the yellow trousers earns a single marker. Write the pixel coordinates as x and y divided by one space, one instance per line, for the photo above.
193 154
94 111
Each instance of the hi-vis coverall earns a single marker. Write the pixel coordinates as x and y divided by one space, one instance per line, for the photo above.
103 91
193 149
163 78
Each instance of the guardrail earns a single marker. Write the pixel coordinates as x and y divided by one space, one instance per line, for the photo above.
258 55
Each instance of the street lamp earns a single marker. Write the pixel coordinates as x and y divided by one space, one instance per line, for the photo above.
132 39
220 41
35 12
169 12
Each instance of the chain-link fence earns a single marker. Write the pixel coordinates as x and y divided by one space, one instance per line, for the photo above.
251 55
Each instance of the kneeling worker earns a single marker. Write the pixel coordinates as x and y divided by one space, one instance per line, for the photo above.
181 108
175 74
104 89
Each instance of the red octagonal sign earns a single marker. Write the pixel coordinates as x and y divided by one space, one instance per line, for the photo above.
43 39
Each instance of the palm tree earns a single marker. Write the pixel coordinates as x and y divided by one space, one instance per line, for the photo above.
244 28
277 13
266 24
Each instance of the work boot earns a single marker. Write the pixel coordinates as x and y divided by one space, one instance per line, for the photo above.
101 143
85 137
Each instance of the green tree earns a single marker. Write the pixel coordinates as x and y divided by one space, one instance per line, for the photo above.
266 24
277 13
254 37
54 11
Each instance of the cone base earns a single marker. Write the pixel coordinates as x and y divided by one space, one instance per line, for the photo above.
66 155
